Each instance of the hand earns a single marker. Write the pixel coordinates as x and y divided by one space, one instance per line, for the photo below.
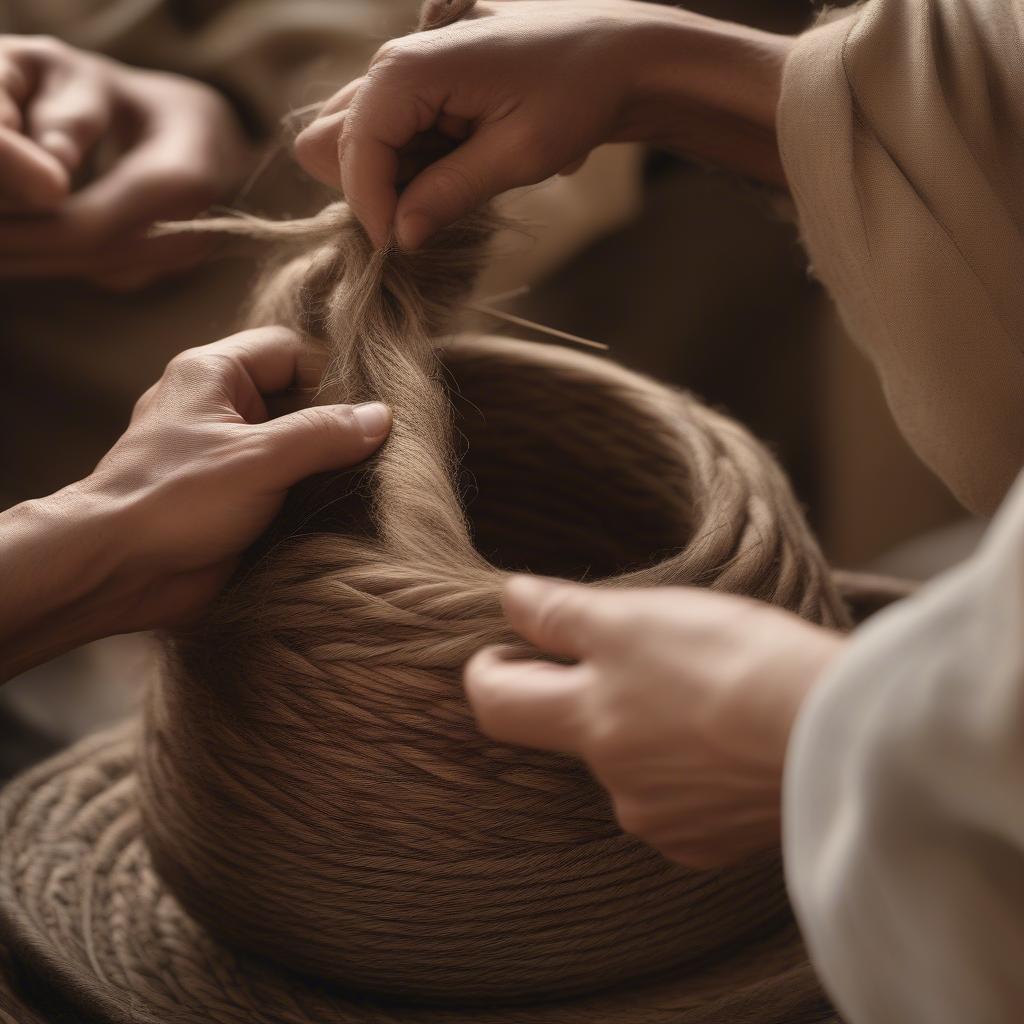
201 471
523 89
680 701
152 535
148 146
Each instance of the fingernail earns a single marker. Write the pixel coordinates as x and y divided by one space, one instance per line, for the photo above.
413 230
374 419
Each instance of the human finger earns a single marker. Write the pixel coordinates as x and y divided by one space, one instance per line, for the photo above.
151 182
526 702
321 439
342 99
320 148
387 114
31 179
316 148
70 111
556 616
263 360
450 188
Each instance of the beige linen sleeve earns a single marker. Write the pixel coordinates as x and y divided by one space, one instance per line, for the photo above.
903 802
901 126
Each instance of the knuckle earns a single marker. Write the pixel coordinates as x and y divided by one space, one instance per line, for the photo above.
394 50
193 363
425 111
402 60
337 422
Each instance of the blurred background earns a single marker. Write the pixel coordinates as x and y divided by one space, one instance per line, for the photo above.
689 275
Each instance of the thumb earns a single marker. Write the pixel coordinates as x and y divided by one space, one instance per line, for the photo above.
323 438
457 184
556 616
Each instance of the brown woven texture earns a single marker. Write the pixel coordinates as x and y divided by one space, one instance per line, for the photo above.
311 787
89 916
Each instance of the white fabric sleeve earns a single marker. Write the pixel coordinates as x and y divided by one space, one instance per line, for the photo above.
903 802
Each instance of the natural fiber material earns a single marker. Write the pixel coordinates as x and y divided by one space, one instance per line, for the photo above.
311 786
78 890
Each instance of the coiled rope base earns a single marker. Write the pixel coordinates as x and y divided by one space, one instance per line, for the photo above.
82 906
311 798
314 788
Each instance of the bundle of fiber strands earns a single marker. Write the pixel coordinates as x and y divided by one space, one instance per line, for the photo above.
309 826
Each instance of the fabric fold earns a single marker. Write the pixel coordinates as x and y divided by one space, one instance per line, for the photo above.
901 126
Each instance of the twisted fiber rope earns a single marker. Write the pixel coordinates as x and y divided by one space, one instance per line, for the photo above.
82 901
311 784
313 787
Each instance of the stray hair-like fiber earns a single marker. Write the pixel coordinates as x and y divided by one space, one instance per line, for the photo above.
314 789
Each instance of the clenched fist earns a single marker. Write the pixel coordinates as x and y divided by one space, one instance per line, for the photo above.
93 153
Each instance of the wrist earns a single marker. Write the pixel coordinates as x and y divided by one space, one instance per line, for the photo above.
707 89
64 583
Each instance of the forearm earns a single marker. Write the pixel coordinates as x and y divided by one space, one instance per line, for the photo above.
59 585
153 534
708 89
